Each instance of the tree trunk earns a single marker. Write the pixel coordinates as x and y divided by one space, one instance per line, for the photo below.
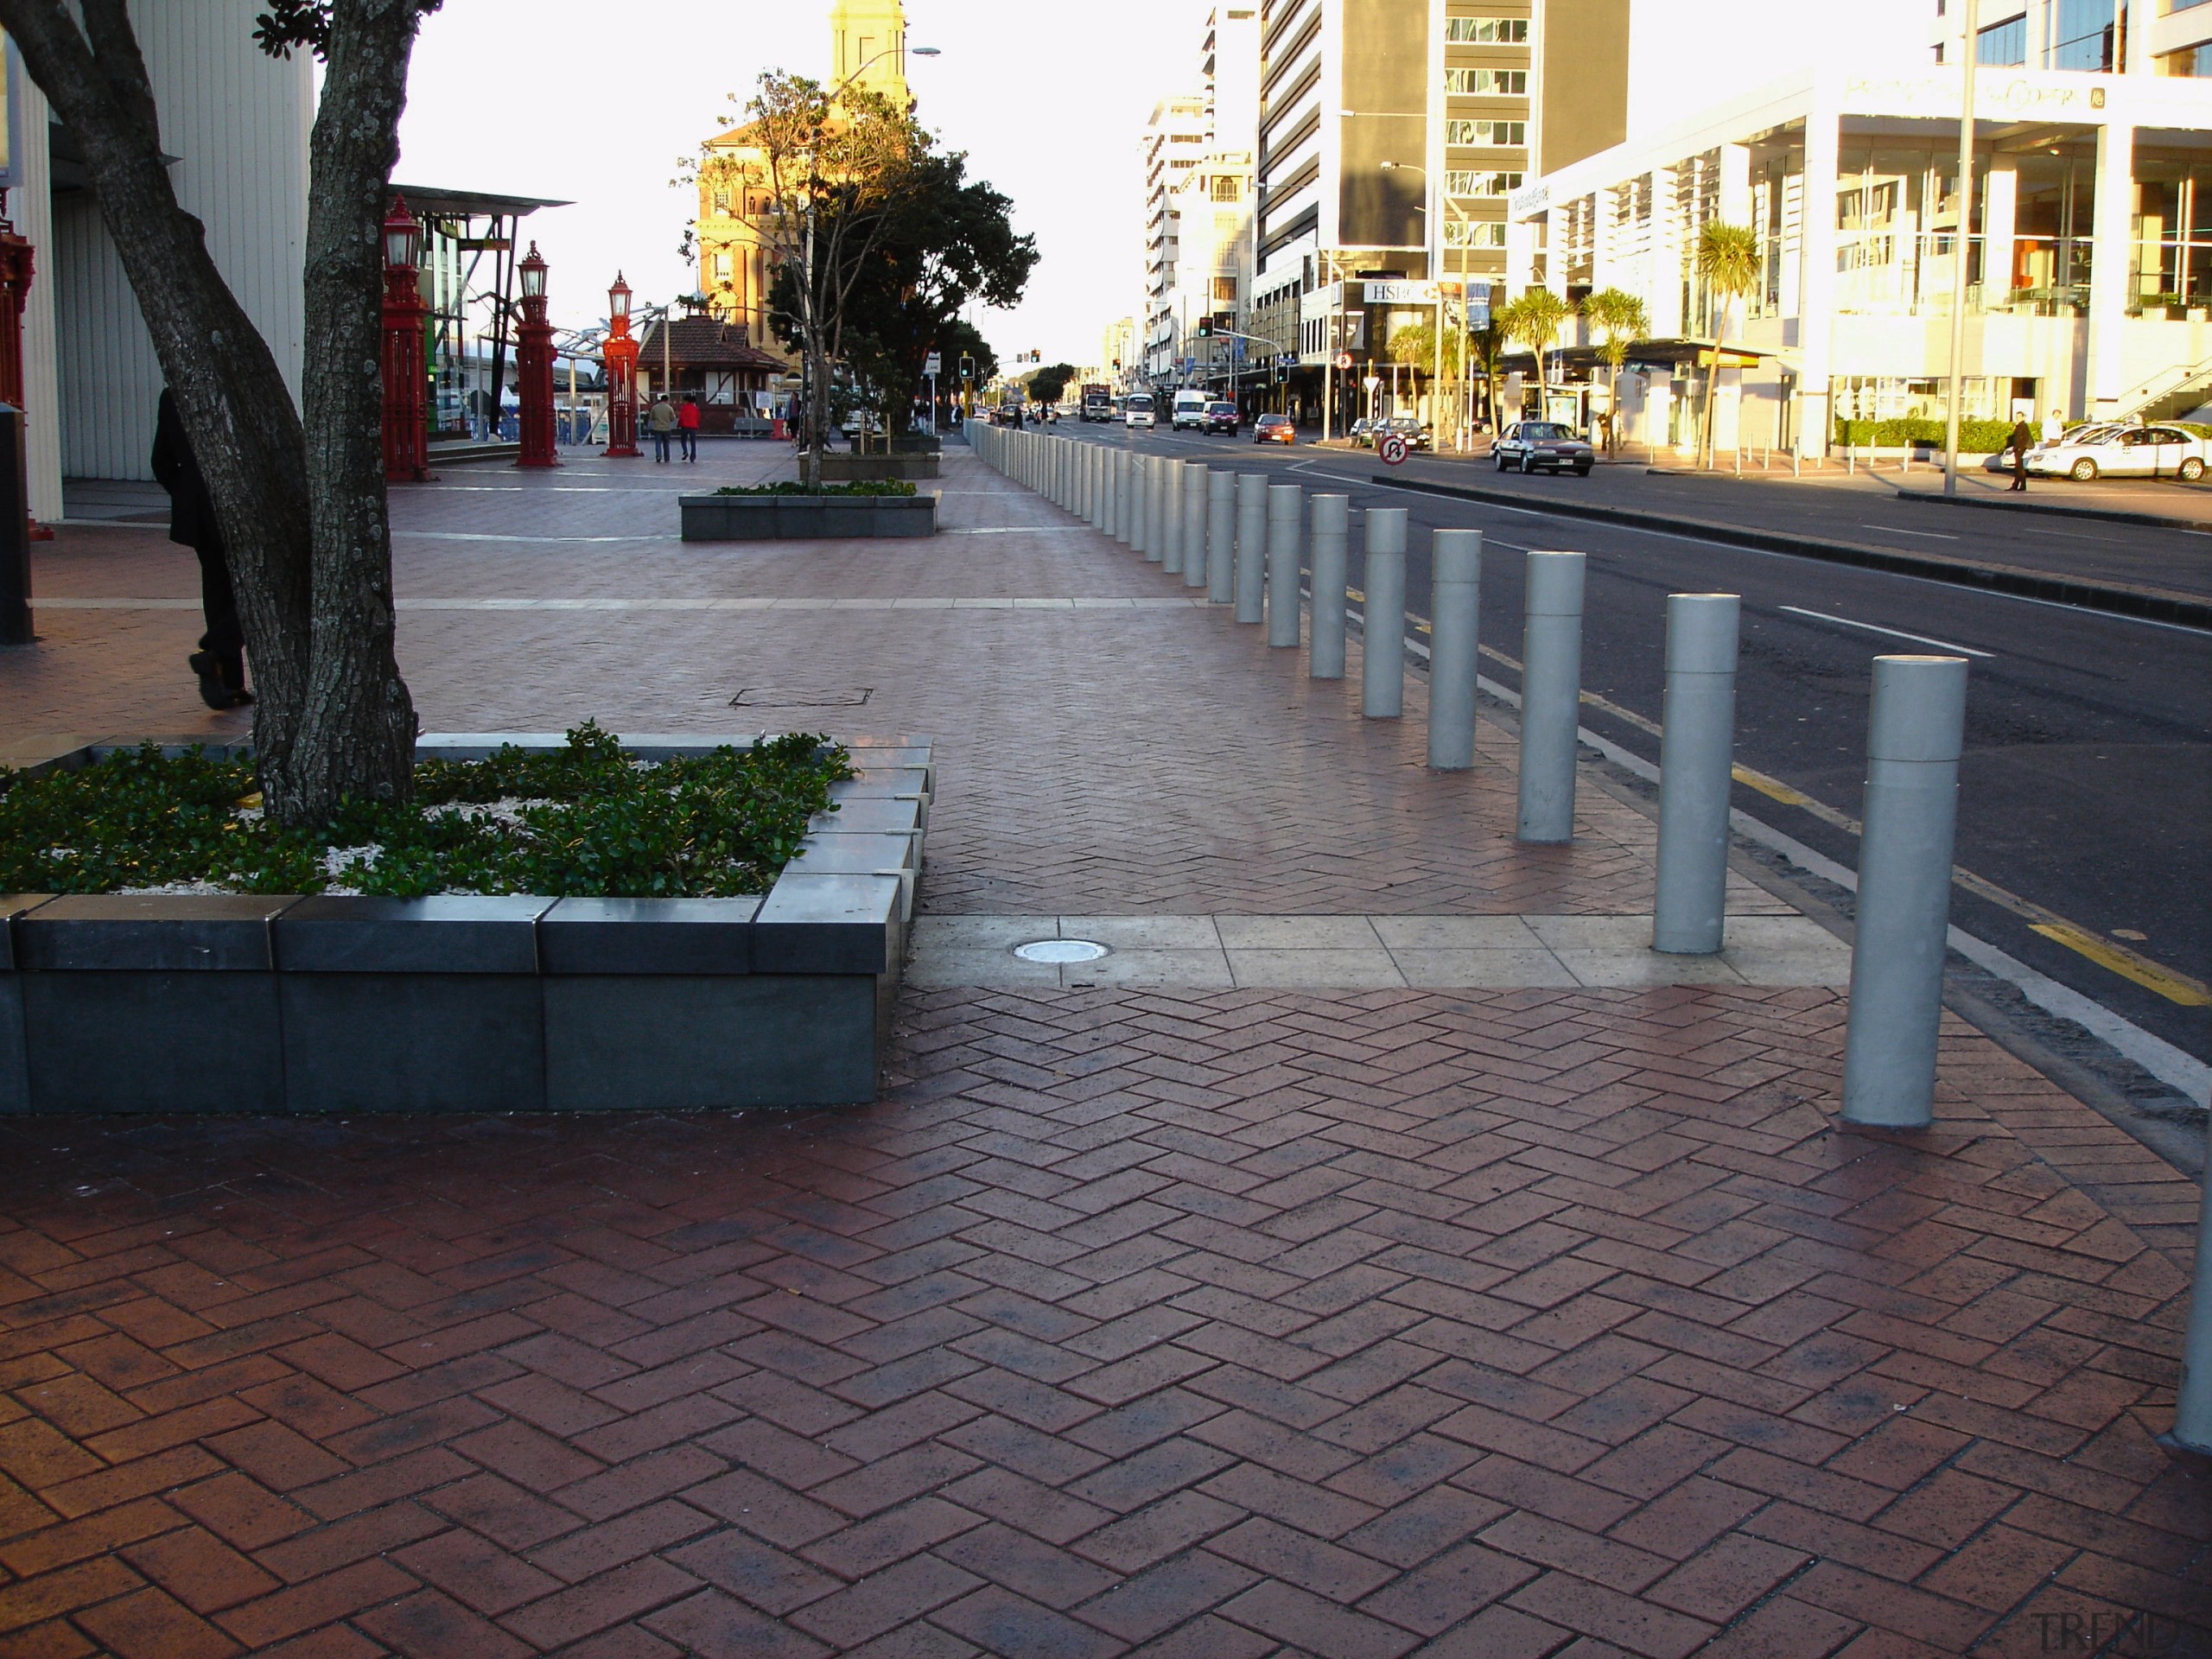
302 513
356 734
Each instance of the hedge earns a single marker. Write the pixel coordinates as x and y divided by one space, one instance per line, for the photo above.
1976 437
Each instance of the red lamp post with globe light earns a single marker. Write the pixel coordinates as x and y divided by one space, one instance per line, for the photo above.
406 421
619 360
534 359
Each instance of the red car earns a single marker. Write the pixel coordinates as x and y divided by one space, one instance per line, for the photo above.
1274 428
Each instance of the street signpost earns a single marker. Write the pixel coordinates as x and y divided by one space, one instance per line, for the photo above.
1392 448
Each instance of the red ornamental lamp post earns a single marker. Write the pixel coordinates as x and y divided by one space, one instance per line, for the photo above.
15 293
535 364
618 361
406 421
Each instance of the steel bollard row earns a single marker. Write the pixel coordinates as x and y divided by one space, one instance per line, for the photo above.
1251 547
1696 757
1551 695
1382 630
1193 484
1221 536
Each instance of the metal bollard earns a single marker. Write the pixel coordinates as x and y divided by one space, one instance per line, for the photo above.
1145 529
1914 735
1284 504
2193 1409
1194 523
1551 695
1383 632
1117 495
1221 536
1455 620
1251 547
1697 749
1170 517
1332 533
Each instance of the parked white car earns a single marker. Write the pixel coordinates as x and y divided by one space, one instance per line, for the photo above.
2107 450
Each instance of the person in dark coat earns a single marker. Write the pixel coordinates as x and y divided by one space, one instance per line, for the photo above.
2023 439
220 660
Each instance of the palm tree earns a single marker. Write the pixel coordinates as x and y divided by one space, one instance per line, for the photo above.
1486 357
1731 263
1619 318
1534 317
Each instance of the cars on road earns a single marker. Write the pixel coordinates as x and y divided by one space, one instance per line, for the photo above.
1189 410
1220 416
1542 446
1274 428
1415 432
1361 433
1136 413
2099 451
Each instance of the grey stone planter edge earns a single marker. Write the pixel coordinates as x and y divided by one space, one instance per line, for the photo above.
805 517
318 1004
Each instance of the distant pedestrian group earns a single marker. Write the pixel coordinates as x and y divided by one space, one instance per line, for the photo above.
669 424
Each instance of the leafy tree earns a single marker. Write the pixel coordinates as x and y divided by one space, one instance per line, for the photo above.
947 240
819 180
299 502
1486 357
1046 385
1731 264
1533 317
1618 318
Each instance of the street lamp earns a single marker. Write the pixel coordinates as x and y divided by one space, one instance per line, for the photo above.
534 366
406 422
618 356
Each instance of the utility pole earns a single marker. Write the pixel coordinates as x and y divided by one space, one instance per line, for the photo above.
1970 48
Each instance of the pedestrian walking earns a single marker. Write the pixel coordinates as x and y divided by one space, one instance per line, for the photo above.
220 661
687 426
660 421
2022 439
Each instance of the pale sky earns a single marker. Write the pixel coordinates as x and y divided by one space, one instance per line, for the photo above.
1047 97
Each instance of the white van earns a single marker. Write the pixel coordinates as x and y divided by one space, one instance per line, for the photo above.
1189 410
1137 411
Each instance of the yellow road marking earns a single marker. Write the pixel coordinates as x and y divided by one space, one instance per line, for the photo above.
1773 788
2174 988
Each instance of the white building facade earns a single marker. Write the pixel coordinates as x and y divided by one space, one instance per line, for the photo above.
2088 278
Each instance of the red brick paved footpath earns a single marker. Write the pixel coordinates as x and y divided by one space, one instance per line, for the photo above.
1240 1324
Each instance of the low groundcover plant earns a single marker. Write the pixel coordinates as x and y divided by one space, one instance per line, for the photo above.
862 487
582 819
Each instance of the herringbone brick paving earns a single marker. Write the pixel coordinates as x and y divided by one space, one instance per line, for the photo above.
1497 1323
1503 1324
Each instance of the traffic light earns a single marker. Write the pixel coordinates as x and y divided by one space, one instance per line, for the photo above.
1205 327
967 367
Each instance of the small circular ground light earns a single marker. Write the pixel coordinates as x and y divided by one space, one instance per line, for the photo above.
1059 950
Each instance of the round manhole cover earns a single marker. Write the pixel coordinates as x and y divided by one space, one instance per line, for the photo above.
1059 950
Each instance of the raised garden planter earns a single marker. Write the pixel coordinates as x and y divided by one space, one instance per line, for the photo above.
848 469
458 1003
805 517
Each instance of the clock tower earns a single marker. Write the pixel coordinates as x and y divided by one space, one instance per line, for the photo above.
869 48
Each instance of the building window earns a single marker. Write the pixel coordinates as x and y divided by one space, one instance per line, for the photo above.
1487 135
1474 234
2082 34
1227 189
722 204
2003 44
1487 83
1481 184
1486 31
1224 291
2196 62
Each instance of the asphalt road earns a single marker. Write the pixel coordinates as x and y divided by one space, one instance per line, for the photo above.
2086 786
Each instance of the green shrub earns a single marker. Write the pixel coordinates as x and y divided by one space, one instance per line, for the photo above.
861 486
1976 437
582 819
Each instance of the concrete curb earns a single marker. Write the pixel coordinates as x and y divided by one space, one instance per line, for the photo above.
2115 599
2105 515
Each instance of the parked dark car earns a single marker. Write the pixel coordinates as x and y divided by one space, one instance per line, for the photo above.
1542 446
1220 417
1360 433
1415 432
1274 428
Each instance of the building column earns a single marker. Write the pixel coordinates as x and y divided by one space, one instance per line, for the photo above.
1520 252
2108 269
1665 247
1734 205
1816 274
1999 206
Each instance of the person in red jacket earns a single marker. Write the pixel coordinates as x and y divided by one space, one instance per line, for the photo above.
687 427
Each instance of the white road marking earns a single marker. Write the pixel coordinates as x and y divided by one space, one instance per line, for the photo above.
1897 530
1894 633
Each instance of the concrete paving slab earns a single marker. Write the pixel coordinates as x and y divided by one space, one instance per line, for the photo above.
937 933
1403 933
1316 968
1495 969
1198 970
1152 932
1635 969
1298 933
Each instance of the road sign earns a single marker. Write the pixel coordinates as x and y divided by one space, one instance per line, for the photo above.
1343 359
932 365
1372 381
1392 449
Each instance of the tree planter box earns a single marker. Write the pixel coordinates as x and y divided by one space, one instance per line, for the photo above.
851 469
805 517
460 1003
